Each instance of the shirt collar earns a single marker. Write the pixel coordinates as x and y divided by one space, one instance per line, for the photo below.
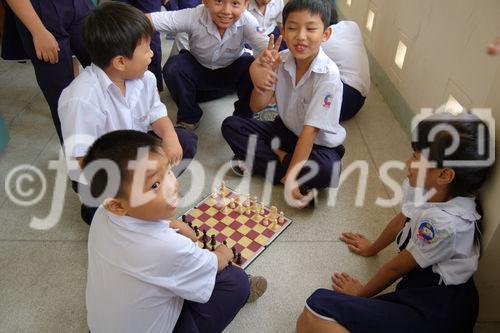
135 224
462 207
132 87
102 77
320 64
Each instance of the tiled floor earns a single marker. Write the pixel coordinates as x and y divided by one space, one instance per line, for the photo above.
43 272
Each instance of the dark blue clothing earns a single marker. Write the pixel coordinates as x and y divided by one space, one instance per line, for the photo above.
419 304
230 294
352 101
188 81
150 6
64 19
237 131
181 4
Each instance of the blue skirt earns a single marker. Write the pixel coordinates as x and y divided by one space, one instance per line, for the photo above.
419 304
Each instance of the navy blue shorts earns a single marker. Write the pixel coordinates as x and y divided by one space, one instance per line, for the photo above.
419 304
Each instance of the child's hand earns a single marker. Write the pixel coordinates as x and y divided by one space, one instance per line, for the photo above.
263 78
357 243
344 283
292 194
173 150
46 46
270 57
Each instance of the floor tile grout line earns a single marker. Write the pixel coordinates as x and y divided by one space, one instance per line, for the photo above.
23 109
44 240
372 158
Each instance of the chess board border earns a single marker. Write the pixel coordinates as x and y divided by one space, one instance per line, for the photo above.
264 247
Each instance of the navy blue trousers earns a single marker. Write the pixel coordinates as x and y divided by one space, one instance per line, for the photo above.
419 304
189 143
187 80
228 297
149 6
237 131
64 19
352 101
181 4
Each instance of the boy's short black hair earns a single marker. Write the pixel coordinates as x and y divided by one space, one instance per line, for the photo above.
114 29
319 7
118 147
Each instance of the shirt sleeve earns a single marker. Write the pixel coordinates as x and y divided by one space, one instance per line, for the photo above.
157 109
432 241
175 21
195 272
323 111
251 34
81 123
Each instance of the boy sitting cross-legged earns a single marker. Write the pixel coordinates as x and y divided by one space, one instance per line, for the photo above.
146 273
117 91
308 91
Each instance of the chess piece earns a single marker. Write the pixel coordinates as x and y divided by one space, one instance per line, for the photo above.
262 210
196 231
222 189
254 205
205 244
234 252
238 259
190 224
232 204
273 214
213 242
265 222
281 218
226 210
205 236
273 224
183 218
213 247
248 210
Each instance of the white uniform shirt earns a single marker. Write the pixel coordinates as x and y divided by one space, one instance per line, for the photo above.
139 274
442 235
346 48
314 101
269 20
205 42
92 106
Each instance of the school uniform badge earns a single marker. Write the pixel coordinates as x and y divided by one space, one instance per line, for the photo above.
327 101
426 231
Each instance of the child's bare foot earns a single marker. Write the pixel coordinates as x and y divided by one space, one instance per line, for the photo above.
238 167
357 243
344 283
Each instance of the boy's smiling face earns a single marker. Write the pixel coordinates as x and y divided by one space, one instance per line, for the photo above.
304 32
156 185
225 13
136 66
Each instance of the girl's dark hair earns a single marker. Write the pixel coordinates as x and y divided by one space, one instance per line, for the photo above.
435 134
441 131
315 7
114 29
119 147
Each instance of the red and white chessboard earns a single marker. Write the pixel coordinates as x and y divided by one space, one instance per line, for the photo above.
246 233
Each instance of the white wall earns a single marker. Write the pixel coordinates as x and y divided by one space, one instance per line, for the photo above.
446 41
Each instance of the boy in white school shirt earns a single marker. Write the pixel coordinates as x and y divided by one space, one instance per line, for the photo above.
146 273
216 62
268 14
117 91
306 138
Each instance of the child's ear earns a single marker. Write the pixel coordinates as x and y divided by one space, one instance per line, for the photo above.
327 34
115 206
446 176
118 63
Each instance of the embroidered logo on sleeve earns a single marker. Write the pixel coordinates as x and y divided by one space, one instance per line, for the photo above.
426 231
327 101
